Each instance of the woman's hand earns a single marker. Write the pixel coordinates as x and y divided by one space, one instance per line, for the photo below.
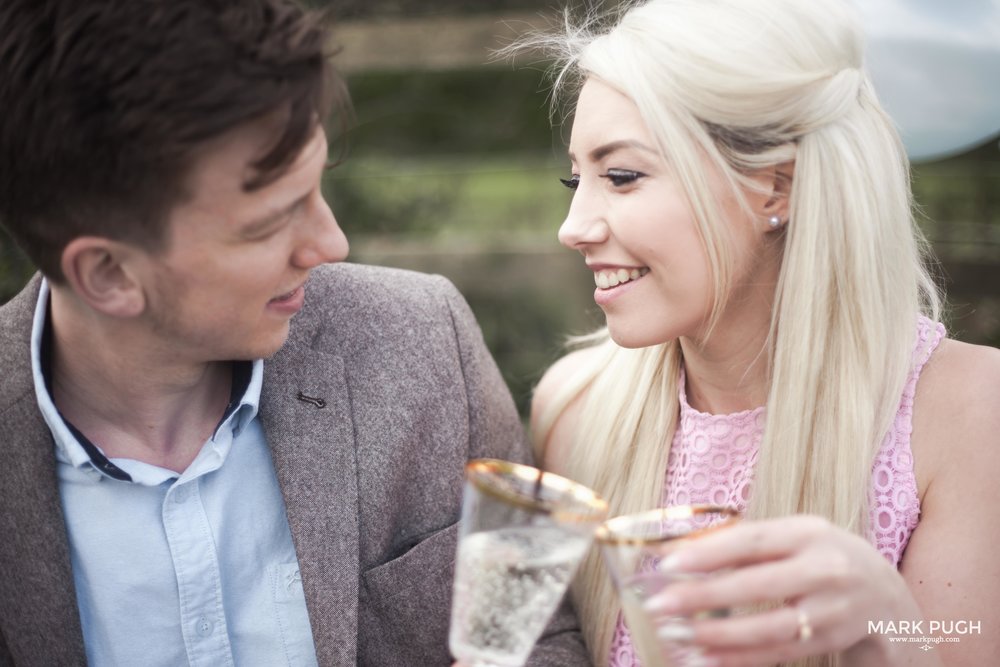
821 586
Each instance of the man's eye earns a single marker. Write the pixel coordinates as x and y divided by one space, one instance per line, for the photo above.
619 177
573 182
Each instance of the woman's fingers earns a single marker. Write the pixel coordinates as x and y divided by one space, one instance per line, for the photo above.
794 587
760 639
771 581
746 543
766 628
765 638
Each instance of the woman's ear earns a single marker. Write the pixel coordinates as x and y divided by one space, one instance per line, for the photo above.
98 270
779 183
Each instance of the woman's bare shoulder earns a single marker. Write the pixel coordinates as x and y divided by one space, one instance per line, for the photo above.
956 451
559 373
956 410
560 435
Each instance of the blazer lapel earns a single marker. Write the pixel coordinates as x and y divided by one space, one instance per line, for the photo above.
39 619
306 415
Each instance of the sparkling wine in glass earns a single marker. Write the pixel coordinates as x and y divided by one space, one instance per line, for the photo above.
632 547
522 535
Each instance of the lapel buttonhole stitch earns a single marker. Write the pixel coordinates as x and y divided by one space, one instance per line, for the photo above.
312 400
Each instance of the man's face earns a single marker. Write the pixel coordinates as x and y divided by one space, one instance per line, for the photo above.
234 268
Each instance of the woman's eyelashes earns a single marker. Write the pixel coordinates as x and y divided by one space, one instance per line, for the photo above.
573 182
618 178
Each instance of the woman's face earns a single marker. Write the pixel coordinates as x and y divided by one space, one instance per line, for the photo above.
632 222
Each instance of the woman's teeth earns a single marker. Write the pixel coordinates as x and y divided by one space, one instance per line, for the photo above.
606 279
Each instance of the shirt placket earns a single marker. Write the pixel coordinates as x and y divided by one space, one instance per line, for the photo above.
199 582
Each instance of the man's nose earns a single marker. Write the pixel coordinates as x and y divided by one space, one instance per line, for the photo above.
323 241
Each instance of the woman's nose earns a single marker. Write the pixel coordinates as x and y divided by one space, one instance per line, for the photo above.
584 225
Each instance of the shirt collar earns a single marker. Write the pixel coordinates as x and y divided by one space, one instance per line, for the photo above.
73 447
244 398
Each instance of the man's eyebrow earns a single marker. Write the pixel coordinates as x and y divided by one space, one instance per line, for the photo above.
607 149
260 224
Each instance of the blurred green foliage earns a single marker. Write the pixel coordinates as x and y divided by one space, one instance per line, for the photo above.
962 189
456 112
456 173
434 151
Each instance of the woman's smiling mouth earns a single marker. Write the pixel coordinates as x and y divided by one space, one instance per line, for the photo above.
607 279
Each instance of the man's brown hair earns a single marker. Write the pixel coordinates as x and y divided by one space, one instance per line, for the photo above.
105 103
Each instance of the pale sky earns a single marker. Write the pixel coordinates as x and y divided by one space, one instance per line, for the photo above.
936 69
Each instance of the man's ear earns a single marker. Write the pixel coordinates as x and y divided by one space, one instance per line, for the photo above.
99 271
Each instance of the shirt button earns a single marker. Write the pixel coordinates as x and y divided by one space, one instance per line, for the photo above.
181 493
204 627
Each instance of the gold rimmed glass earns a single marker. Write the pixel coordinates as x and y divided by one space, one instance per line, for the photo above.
522 535
632 547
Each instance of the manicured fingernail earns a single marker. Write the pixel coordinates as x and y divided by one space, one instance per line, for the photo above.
662 603
671 563
675 632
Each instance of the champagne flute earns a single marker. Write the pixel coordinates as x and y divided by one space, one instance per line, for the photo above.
522 535
632 547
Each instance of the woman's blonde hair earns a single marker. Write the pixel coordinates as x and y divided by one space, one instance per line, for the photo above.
752 84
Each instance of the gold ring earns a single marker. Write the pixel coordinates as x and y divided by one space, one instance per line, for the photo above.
805 631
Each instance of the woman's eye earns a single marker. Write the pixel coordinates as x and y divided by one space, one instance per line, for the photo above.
619 177
573 182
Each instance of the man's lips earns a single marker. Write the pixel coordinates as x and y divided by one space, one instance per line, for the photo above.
287 296
290 302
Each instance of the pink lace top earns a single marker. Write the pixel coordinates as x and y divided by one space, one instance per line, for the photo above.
713 456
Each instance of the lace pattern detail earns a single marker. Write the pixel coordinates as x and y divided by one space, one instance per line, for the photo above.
712 459
893 499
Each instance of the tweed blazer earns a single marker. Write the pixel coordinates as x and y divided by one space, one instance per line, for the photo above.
382 392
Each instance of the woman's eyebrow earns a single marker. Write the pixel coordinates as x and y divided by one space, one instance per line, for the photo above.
607 149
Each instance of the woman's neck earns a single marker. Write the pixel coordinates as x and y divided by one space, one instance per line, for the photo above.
729 370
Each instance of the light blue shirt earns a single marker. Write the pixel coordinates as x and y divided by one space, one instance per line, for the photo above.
172 568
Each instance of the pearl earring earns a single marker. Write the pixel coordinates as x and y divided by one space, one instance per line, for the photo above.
774 221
